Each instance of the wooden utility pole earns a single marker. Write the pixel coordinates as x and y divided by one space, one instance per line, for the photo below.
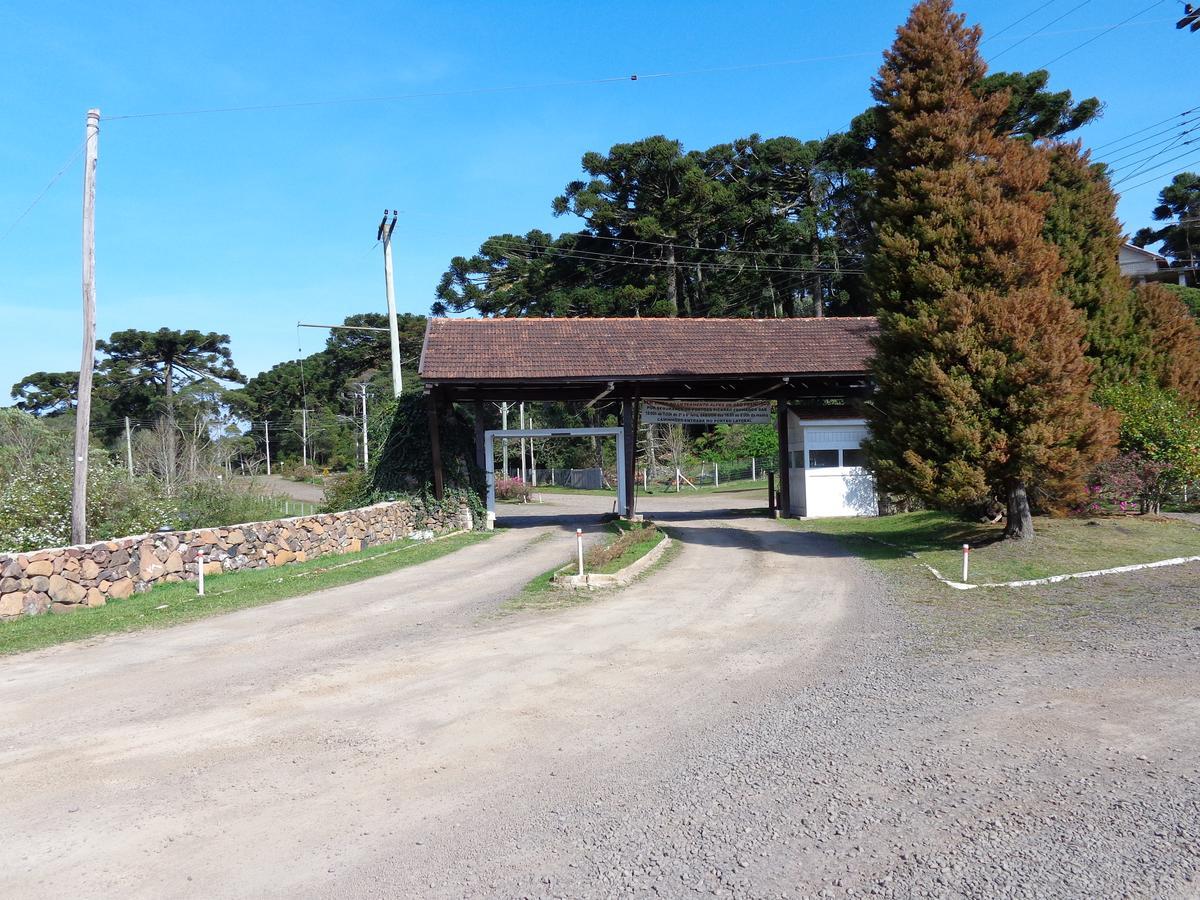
385 235
128 447
83 407
267 434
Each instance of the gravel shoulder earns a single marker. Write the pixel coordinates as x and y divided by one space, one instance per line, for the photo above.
764 717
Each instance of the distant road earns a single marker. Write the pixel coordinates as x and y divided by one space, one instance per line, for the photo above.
284 487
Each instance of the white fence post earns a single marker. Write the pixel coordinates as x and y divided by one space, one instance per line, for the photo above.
200 571
716 474
966 557
579 543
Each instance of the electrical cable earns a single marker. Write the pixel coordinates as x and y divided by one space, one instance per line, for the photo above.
466 92
1142 184
1154 150
1184 114
1165 162
38 199
1028 15
1039 31
1097 37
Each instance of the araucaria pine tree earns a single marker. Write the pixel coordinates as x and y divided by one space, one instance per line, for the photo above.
983 387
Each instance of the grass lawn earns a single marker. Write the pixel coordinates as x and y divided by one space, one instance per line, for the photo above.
170 604
625 549
1061 546
542 593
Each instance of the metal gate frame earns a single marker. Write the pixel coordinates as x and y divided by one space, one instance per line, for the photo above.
489 457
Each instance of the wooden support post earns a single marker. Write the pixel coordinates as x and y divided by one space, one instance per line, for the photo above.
785 479
435 445
772 509
629 412
480 452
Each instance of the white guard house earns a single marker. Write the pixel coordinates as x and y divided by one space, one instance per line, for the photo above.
826 463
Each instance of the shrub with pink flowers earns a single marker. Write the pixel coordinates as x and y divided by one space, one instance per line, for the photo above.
1131 483
512 489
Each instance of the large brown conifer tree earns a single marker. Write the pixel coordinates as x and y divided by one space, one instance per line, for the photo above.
983 387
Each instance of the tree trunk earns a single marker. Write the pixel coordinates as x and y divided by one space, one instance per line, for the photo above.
1020 518
814 199
672 284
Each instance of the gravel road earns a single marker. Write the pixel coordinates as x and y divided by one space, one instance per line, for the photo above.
759 718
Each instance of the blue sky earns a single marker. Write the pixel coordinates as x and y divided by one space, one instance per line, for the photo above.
246 222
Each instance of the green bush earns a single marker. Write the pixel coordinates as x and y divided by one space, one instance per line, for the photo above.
347 491
35 504
1158 425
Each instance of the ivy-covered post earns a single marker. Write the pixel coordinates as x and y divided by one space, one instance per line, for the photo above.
480 458
435 444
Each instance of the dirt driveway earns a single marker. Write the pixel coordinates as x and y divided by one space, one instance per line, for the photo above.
756 719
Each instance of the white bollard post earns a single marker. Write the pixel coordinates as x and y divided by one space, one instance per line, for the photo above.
716 474
677 479
200 571
753 474
579 543
966 557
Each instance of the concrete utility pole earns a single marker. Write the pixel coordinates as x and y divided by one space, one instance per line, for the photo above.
83 405
267 433
366 454
128 447
304 436
385 235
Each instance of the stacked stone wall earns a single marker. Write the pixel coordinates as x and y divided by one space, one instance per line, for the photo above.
67 578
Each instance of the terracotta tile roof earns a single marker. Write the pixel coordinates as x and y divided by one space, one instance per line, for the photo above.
532 349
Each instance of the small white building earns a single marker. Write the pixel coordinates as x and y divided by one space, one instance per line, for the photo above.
827 468
1144 265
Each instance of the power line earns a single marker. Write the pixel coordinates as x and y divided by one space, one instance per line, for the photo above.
1159 177
466 92
1149 152
1120 140
1172 130
38 199
1104 32
531 250
1028 15
690 248
1165 162
1039 31
757 254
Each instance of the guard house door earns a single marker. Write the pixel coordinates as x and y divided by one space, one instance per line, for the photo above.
489 457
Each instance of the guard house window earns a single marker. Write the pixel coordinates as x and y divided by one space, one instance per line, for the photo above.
854 459
822 459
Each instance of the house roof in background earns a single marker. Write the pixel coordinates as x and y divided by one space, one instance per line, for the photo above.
522 350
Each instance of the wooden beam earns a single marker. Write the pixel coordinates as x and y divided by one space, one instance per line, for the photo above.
629 424
435 445
480 457
785 475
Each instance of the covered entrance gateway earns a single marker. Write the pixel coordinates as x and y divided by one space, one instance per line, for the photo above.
489 458
807 365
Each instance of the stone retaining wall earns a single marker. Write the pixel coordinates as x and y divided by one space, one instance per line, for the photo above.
66 578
